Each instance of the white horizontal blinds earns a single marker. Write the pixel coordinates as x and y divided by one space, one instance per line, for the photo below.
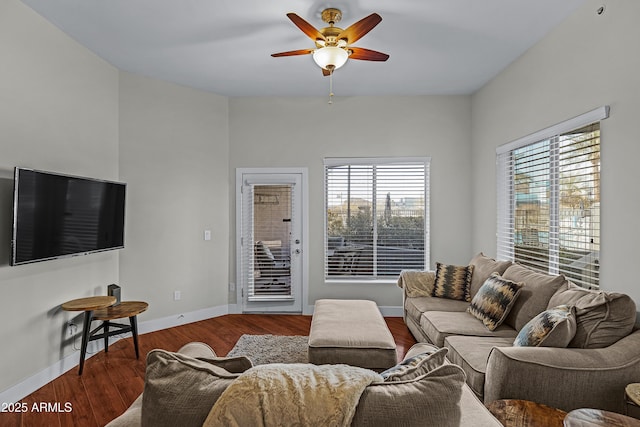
272 216
248 251
506 206
579 205
549 203
533 207
376 217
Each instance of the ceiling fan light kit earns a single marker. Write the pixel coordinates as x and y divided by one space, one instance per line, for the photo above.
333 44
330 57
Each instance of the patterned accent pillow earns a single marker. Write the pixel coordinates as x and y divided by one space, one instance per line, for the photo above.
415 366
555 327
452 282
494 300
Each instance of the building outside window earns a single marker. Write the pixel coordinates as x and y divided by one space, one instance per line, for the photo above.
376 217
549 200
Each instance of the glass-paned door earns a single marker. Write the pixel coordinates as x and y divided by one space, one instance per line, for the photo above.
271 249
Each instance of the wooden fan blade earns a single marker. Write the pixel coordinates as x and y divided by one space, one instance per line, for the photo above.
367 54
306 28
354 32
293 53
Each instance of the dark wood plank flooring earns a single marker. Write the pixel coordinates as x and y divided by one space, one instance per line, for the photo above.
112 381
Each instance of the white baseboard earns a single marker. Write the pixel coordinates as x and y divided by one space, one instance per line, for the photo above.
391 311
33 383
181 319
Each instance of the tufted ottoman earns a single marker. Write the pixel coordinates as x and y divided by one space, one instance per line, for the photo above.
352 332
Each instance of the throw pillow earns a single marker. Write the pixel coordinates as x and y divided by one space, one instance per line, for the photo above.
415 366
430 399
453 282
555 327
602 318
483 267
494 300
233 365
180 390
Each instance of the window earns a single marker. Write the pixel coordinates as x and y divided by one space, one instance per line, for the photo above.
376 217
549 199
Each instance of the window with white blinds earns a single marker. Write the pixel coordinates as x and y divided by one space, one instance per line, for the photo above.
549 199
376 217
266 221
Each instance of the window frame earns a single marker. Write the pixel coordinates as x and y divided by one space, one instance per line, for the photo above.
505 184
374 161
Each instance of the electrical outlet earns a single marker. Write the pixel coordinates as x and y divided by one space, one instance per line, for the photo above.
72 328
177 295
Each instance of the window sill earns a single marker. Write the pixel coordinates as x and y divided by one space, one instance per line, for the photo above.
360 281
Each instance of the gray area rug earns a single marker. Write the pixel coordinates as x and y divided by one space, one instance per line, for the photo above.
263 349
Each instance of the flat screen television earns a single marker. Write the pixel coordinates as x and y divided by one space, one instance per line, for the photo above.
57 216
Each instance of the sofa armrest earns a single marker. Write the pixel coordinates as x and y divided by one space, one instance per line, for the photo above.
416 283
564 378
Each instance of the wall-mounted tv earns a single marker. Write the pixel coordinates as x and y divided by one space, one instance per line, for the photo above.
57 216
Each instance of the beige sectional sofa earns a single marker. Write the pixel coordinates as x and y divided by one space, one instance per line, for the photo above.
181 388
592 370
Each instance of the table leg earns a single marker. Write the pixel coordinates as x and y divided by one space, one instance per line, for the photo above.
106 335
85 338
134 331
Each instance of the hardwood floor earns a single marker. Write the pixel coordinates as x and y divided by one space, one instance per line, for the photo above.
112 381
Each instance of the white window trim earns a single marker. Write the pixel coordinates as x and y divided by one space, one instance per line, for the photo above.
340 161
592 116
504 175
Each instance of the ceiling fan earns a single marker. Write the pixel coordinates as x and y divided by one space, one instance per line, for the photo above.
333 44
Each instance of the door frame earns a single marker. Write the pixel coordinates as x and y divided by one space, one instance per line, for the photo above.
304 218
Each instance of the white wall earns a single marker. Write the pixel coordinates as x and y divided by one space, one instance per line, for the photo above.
300 132
64 109
587 62
58 112
174 158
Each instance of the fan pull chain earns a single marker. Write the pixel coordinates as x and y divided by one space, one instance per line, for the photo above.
330 87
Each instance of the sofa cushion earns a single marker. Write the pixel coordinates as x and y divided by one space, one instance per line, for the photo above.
602 318
471 354
483 267
554 327
415 366
430 399
453 282
180 390
438 325
494 300
416 306
535 295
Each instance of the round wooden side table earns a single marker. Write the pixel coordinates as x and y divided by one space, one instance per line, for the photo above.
524 413
88 305
129 309
598 418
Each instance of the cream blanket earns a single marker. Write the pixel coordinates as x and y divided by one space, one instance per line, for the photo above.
292 395
417 283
